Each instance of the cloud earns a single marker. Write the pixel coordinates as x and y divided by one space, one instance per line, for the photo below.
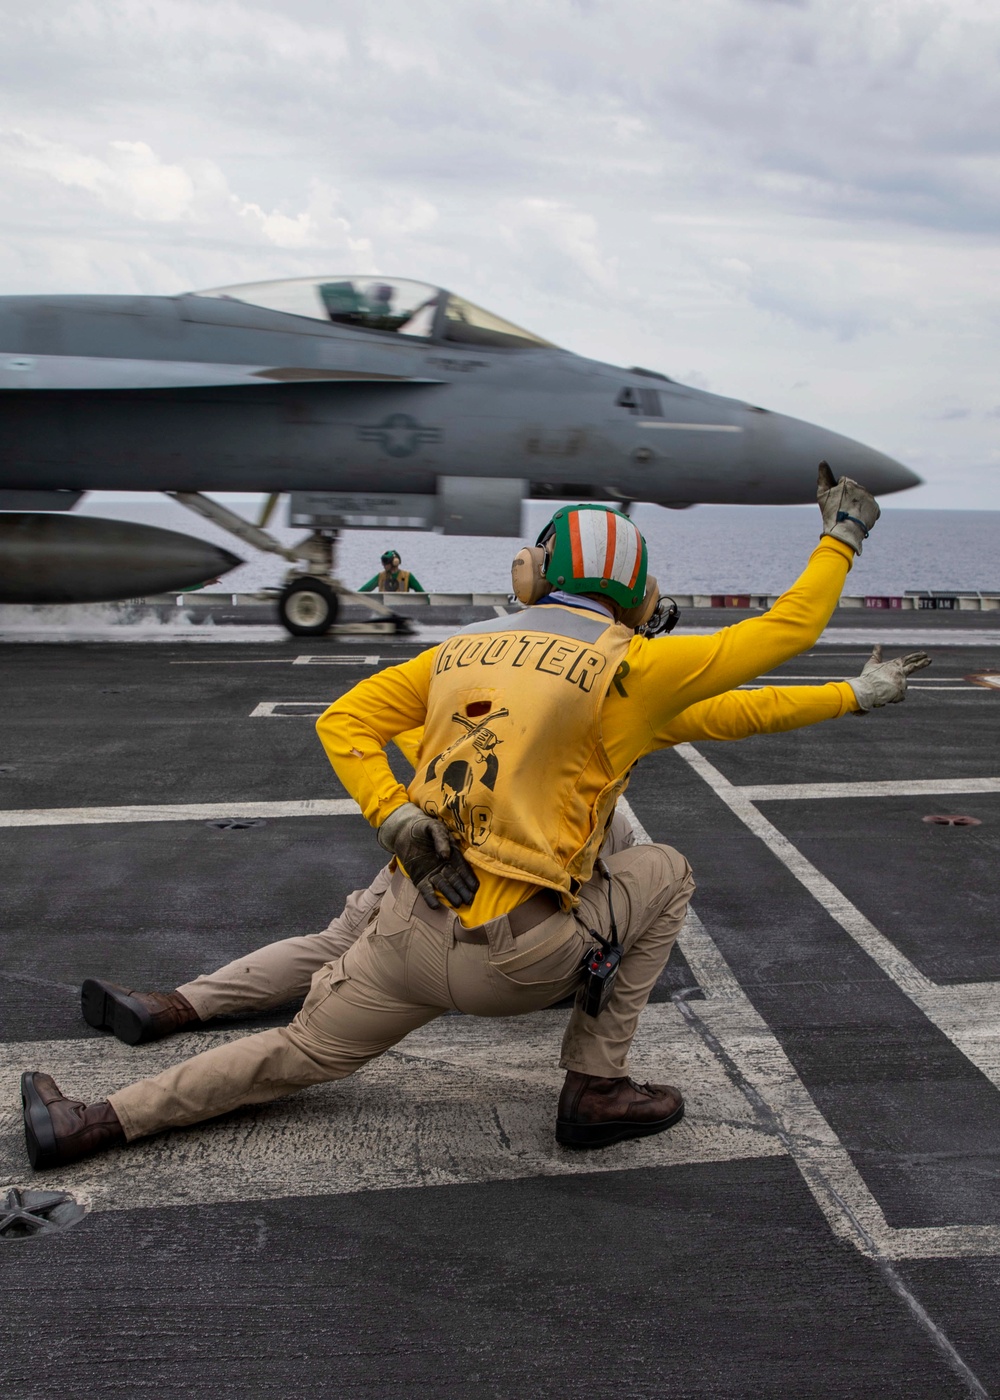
565 240
130 179
132 182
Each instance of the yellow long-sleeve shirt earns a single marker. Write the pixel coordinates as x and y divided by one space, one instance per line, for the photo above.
667 690
771 709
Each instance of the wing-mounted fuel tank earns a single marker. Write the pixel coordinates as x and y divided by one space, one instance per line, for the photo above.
57 558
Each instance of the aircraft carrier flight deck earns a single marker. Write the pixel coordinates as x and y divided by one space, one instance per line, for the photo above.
824 1222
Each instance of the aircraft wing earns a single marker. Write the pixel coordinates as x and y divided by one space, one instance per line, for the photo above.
89 372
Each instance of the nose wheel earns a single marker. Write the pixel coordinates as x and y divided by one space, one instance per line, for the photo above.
310 600
307 607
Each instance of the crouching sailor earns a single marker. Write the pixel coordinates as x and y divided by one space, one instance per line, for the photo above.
497 905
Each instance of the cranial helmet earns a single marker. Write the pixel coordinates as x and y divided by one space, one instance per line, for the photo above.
391 557
588 549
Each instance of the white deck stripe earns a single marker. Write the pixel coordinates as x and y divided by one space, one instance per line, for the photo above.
915 787
288 661
184 812
336 661
244 661
824 891
934 689
776 678
840 1191
464 1099
968 1014
866 635
277 709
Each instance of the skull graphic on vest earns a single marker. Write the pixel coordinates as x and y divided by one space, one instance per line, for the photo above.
456 783
459 776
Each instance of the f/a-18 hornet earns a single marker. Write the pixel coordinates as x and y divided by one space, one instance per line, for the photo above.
373 401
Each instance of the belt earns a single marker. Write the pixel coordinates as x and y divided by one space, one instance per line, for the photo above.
529 915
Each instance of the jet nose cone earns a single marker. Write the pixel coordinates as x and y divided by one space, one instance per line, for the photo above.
878 473
794 449
902 476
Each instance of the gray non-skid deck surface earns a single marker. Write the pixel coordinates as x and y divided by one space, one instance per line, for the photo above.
417 1231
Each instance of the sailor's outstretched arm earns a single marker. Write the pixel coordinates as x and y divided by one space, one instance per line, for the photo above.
671 673
775 708
674 672
770 710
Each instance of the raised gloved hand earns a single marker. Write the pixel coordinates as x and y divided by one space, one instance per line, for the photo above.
884 682
849 511
431 858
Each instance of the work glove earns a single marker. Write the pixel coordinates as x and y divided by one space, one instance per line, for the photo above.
884 682
430 856
849 511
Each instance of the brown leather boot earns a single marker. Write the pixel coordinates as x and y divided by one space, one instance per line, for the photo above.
595 1112
134 1017
58 1130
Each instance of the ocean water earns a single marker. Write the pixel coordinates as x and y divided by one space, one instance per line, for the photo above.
707 549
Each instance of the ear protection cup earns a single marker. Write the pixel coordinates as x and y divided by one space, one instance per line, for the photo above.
527 574
637 616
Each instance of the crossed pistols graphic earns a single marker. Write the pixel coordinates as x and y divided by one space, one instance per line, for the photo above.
484 741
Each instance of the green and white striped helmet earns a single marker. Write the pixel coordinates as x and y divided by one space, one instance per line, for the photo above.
594 549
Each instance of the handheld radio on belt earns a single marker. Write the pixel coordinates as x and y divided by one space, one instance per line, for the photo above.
600 967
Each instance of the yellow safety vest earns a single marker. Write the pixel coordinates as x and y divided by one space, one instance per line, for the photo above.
401 583
512 758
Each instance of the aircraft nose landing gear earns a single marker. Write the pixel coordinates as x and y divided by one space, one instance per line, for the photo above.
309 602
307 607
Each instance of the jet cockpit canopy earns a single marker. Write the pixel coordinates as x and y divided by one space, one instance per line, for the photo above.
383 304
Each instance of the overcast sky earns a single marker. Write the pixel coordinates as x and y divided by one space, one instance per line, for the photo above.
790 201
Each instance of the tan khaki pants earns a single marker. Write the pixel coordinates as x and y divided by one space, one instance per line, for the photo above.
283 972
409 967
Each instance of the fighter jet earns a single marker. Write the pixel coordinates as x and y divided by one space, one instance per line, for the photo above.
373 402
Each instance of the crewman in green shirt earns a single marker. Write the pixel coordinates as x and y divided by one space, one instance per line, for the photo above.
391 578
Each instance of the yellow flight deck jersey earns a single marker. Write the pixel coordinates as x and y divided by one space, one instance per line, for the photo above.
528 776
